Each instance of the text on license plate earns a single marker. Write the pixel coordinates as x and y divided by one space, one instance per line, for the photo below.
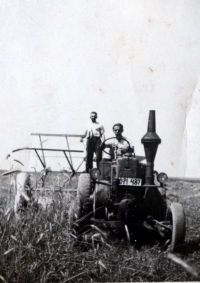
130 181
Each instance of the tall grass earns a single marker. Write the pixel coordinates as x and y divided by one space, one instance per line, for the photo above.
40 247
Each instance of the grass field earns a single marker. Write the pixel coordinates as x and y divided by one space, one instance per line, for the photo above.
40 247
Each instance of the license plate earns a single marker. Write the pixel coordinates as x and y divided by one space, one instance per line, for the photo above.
130 181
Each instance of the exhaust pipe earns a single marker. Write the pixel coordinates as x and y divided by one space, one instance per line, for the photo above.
150 141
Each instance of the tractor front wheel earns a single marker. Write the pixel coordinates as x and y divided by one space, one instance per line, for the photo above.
177 217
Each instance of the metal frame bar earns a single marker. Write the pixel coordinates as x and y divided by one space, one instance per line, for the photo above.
73 171
47 149
39 159
79 165
51 149
57 135
66 136
69 152
43 162
42 150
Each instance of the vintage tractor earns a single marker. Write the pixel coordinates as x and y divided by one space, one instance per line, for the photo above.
122 196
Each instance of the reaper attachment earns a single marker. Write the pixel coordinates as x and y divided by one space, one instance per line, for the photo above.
42 157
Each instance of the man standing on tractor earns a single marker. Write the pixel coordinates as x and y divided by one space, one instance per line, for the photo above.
119 145
94 136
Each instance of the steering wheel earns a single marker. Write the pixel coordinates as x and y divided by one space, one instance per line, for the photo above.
103 145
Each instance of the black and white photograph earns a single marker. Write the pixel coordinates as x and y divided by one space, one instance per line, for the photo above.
99 155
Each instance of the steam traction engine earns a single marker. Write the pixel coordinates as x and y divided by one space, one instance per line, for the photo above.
122 196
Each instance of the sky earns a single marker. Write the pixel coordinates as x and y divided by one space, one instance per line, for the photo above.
61 59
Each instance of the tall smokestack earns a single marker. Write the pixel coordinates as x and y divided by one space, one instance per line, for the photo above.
150 141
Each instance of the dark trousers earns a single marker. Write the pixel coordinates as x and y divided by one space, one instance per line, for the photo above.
93 145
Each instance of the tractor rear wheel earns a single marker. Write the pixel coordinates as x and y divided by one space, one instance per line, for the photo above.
83 194
177 218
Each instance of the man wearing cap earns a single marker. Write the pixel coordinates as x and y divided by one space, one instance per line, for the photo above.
93 138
